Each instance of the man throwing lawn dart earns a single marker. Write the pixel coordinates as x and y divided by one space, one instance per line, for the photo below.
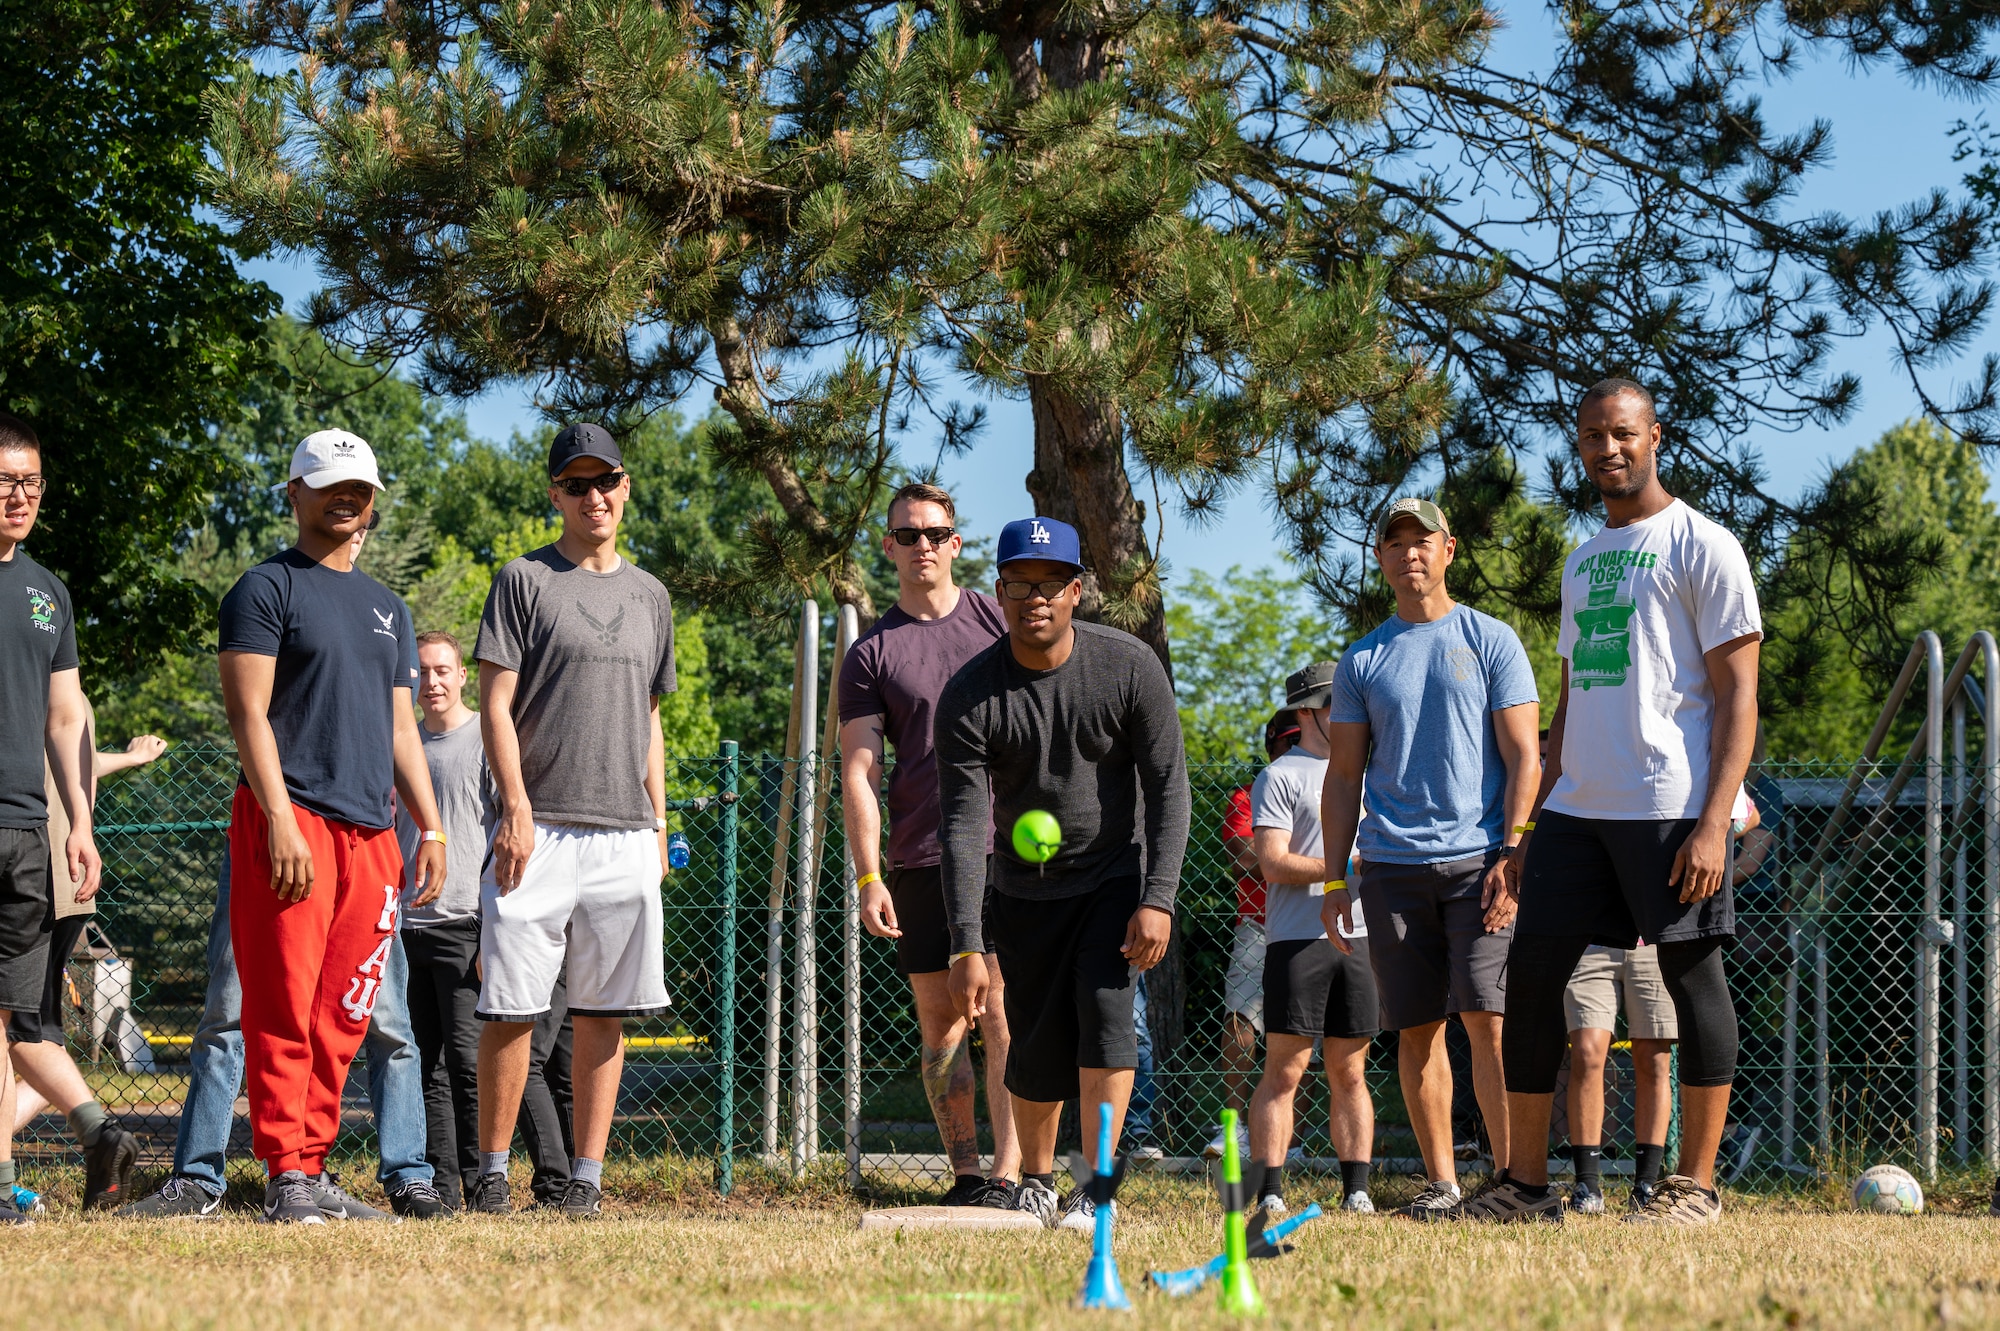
576 648
318 661
1438 705
1650 741
1076 721
889 686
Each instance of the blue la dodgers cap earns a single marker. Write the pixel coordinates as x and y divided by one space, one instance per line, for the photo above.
1040 538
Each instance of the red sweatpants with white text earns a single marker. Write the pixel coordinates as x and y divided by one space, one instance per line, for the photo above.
310 971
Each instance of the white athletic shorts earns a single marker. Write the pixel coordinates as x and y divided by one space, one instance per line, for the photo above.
1243 983
1606 974
591 893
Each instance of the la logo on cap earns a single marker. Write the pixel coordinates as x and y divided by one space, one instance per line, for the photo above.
1038 533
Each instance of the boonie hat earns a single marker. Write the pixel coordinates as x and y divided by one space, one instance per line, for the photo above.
583 440
328 457
1040 538
1312 687
1423 510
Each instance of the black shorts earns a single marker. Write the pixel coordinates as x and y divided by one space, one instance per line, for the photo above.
918 894
1605 879
46 1025
1312 988
24 917
1069 988
1428 942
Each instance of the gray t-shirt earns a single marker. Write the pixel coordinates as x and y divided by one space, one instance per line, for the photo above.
464 789
592 651
1286 796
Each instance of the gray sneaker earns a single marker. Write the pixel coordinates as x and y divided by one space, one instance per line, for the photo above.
336 1203
288 1200
1680 1201
179 1198
1438 1201
1358 1202
1039 1200
1586 1198
582 1200
1505 1202
11 1212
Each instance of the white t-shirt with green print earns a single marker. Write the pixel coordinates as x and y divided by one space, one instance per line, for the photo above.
1640 605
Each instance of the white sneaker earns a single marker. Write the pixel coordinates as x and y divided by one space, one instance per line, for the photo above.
1215 1146
1039 1200
1144 1156
1357 1202
1080 1213
1273 1206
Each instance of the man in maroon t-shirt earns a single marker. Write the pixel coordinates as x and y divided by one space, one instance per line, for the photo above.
889 686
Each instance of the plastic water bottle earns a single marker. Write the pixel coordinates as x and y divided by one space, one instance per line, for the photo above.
678 851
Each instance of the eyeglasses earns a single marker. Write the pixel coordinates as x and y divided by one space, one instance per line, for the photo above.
34 487
935 535
576 487
1048 589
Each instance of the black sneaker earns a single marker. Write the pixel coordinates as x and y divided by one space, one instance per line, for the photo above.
999 1195
1642 1194
107 1167
1586 1197
965 1191
179 1198
489 1196
418 1200
288 1200
10 1214
582 1201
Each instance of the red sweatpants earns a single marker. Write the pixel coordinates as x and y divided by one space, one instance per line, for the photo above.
310 971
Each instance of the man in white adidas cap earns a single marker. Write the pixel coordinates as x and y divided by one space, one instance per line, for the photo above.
318 662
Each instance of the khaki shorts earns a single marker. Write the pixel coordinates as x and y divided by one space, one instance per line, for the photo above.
1243 984
1591 1000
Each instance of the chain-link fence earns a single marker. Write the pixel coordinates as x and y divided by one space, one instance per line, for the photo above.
792 1045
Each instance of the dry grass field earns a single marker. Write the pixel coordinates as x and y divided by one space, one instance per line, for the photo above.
787 1262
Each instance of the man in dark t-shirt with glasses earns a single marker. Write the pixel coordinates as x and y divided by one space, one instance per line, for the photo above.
889 686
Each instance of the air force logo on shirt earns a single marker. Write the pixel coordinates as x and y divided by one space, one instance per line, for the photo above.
386 624
1038 534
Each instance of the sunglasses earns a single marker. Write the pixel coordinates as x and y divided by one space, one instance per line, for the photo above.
935 535
576 487
1048 589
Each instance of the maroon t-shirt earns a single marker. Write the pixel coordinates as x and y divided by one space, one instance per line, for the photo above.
896 670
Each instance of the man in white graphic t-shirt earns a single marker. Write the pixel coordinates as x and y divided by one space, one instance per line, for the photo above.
1659 640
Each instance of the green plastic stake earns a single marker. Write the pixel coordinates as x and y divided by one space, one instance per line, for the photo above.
1239 1288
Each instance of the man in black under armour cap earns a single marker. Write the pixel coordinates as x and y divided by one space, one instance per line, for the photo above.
584 440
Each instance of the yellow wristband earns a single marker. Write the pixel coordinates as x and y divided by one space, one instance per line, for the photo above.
1524 828
431 836
866 879
957 957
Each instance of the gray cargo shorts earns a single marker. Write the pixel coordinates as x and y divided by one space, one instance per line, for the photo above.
1428 943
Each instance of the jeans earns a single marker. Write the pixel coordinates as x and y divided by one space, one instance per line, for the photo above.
395 1073
1139 1115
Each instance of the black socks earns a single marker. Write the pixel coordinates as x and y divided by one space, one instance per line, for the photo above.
1651 1160
1046 1180
1274 1182
1588 1162
1353 1177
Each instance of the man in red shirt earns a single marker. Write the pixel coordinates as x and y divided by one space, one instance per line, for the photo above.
1243 985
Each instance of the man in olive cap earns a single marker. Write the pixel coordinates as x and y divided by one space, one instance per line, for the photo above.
1438 705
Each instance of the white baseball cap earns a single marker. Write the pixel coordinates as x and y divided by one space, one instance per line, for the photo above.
328 457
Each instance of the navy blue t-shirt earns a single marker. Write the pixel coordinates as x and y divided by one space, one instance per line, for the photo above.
343 643
37 639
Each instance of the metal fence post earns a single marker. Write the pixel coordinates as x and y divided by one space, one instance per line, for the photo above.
805 960
1990 795
1929 940
1788 1084
774 923
1961 1070
1822 1056
850 629
725 982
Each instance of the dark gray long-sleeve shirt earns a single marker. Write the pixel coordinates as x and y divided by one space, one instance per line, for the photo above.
1096 742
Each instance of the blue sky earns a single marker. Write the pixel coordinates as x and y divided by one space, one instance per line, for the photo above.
1890 146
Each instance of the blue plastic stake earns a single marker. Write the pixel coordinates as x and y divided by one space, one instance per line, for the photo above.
1101 1286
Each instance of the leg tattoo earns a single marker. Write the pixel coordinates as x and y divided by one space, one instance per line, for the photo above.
948 1083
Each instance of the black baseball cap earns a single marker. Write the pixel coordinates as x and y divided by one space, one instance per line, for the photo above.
583 440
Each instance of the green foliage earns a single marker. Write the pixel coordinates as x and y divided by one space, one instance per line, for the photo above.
126 332
1236 638
1932 491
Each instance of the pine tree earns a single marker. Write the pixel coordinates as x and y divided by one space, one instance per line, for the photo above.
1322 254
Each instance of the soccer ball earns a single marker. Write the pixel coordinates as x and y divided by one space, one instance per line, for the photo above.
1888 1190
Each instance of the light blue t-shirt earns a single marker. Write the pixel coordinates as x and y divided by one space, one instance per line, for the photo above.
1435 782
